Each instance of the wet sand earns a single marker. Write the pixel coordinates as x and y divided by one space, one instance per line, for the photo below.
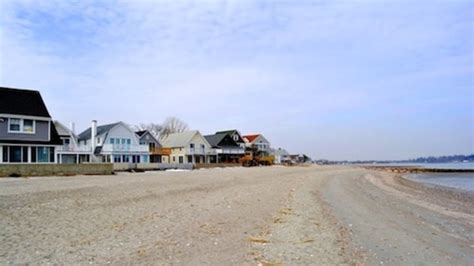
268 215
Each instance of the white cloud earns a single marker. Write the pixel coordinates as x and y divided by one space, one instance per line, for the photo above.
278 68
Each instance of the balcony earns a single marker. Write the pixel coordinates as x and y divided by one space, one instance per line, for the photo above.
160 151
231 151
124 148
72 149
200 151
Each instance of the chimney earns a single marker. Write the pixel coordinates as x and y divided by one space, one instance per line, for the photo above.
93 133
73 128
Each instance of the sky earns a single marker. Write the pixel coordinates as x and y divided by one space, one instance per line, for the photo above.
338 80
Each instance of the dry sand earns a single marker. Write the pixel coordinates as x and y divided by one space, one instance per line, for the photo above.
268 215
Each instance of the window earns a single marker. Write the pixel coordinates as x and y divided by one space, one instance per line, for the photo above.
125 158
117 158
43 154
15 125
21 125
66 141
98 140
5 154
15 154
181 159
129 141
191 145
28 126
112 140
25 154
33 154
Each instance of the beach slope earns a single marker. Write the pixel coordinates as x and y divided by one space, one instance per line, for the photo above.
267 215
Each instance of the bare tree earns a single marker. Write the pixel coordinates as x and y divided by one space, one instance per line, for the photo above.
173 125
154 129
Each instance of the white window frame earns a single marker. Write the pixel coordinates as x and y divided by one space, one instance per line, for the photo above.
22 126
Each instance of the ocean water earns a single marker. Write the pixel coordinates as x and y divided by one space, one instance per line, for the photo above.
463 181
456 166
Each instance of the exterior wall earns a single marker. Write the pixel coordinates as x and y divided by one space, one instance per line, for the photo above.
176 153
199 140
126 152
54 169
262 141
150 166
41 132
183 152
148 138
120 131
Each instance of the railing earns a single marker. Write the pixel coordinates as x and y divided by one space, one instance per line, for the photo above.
200 151
125 147
160 151
231 151
71 148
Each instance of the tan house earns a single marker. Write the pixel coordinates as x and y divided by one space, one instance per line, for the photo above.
187 147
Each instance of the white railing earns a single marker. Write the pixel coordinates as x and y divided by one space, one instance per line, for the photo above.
232 151
71 148
125 147
199 151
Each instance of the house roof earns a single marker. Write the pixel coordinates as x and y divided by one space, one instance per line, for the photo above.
141 132
55 139
100 130
178 139
22 102
63 130
227 131
215 139
281 152
251 138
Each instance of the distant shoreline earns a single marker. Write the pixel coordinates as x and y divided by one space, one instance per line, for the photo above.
416 169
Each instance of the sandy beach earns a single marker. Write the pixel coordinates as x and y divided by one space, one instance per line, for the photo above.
264 215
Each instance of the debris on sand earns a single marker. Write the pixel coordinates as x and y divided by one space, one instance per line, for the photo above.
258 240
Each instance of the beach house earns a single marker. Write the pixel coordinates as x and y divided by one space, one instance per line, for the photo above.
228 145
27 132
154 146
258 142
115 143
281 156
70 151
187 147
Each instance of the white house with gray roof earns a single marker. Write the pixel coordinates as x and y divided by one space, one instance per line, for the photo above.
70 152
115 143
187 147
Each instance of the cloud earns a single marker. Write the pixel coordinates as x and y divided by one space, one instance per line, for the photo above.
304 73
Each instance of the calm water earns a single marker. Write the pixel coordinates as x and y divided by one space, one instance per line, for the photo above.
456 166
464 181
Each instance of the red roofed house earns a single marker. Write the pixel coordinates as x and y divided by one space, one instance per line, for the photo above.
258 141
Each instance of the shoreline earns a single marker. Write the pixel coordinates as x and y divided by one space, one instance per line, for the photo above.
415 169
